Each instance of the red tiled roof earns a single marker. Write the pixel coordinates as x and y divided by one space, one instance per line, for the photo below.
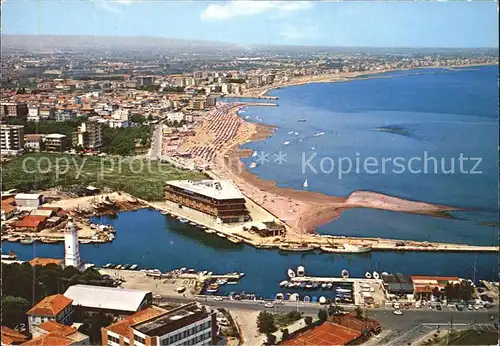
52 326
12 337
37 261
326 334
30 221
50 339
122 326
50 306
434 278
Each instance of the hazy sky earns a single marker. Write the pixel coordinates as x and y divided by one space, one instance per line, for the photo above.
347 23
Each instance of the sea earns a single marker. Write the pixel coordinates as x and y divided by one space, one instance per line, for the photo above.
428 113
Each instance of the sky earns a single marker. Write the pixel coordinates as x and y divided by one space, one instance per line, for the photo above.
458 24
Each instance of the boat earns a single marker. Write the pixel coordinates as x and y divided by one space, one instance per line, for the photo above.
221 235
193 223
290 132
221 282
294 297
133 267
296 133
180 289
368 276
286 142
347 248
385 273
301 271
11 256
323 285
51 241
302 120
284 283
329 285
119 266
322 300
376 276
210 231
164 212
252 165
279 296
343 290
241 274
302 285
183 220
213 288
300 248
291 273
309 285
13 239
235 240
27 240
305 185
344 274
106 266
316 285
307 299
318 134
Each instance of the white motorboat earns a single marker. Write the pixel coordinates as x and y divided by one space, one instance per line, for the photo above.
376 276
368 275
296 133
385 273
252 165
329 285
183 220
290 132
309 285
291 273
318 134
343 290
344 273
210 231
221 235
307 299
221 282
284 283
286 142
279 296
323 285
133 267
294 297
347 248
322 300
305 185
301 271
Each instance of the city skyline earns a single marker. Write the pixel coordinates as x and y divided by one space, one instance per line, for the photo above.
300 23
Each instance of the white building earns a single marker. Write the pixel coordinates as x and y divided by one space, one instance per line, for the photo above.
72 247
12 139
33 114
57 308
175 116
28 201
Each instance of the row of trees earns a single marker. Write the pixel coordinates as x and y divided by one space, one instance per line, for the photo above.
122 141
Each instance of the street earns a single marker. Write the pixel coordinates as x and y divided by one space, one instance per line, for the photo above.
156 141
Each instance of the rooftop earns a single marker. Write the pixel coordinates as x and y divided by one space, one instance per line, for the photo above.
50 306
122 327
172 320
37 261
106 297
55 136
217 189
12 337
28 196
326 334
50 339
63 330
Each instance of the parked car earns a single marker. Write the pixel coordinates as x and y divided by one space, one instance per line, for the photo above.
269 305
439 307
459 307
397 312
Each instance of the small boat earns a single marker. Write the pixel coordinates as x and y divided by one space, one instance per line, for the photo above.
329 285
302 120
11 256
323 285
385 273
309 285
368 275
286 142
279 296
221 282
314 299
316 285
322 300
318 134
291 273
183 220
305 185
294 297
213 288
106 266
241 274
126 266
343 290
301 271
376 276
180 289
252 165
27 240
210 231
344 274
193 223
296 133
51 241
284 284
290 132
119 266
307 299
133 267
221 235
235 240
303 285
164 212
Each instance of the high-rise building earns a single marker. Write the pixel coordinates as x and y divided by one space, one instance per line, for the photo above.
89 134
13 109
71 247
12 139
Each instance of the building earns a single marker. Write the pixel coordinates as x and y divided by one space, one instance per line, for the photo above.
211 101
190 324
30 223
33 114
48 331
426 287
326 334
8 208
56 308
175 116
37 261
46 113
64 116
13 109
197 104
219 199
145 81
56 142
398 285
28 201
109 299
72 247
12 139
89 134
11 337
33 142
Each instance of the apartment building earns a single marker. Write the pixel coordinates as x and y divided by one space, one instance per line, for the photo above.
64 116
89 134
56 142
190 324
13 109
33 114
12 139
33 142
197 103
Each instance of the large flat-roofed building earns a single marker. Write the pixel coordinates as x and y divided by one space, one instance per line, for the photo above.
12 139
190 324
220 199
118 301
56 142
13 109
28 201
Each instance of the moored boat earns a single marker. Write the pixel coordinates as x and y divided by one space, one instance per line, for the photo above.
376 276
284 283
27 240
183 220
221 235
301 271
291 273
210 231
344 273
368 275
221 281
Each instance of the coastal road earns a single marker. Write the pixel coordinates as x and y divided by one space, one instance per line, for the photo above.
156 141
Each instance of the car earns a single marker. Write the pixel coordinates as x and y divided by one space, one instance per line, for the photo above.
459 307
418 305
396 305
476 307
269 305
469 307
157 296
397 312
438 307
218 298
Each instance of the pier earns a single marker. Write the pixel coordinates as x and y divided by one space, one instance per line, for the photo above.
261 97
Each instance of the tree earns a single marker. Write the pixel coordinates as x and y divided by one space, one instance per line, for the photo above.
294 316
461 291
334 310
285 335
14 310
322 315
265 322
92 324
309 321
359 313
271 339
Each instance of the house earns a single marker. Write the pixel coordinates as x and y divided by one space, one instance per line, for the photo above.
56 308
30 223
428 286
398 285
118 301
28 201
33 142
190 324
51 329
8 208
12 337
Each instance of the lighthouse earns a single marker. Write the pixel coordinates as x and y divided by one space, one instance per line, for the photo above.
71 247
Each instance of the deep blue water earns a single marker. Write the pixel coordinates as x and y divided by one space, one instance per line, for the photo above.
443 113
152 240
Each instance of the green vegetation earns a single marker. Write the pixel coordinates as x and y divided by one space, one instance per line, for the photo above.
137 176
92 324
234 80
265 323
50 126
285 334
322 315
474 337
151 88
14 310
282 320
458 292
270 339
309 321
124 141
173 89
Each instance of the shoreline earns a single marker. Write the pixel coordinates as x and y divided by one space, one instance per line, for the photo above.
261 92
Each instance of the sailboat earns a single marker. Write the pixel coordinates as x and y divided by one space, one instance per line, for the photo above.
306 184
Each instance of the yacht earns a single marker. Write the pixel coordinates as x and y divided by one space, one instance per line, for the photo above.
305 184
376 275
286 142
252 165
291 273
344 273
301 271
368 275
27 240
183 220
346 248
329 285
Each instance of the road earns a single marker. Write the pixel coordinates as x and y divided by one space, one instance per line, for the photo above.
156 142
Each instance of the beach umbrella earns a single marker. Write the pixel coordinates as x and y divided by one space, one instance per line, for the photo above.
322 300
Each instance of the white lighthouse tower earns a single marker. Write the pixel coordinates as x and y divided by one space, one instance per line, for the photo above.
71 247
